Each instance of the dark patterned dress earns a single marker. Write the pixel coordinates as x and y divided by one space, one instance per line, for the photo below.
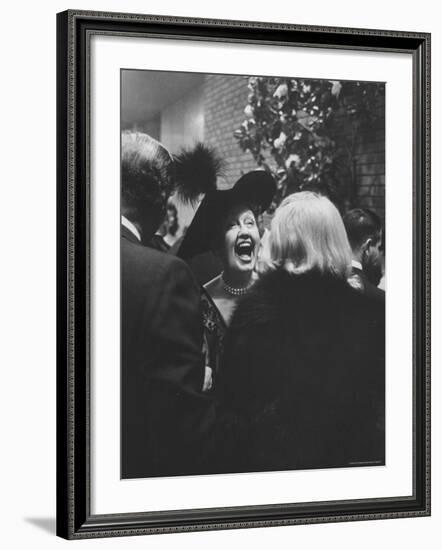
214 331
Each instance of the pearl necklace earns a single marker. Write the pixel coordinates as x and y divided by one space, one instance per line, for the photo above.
235 291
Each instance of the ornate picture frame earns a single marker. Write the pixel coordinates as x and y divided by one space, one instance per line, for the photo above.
75 515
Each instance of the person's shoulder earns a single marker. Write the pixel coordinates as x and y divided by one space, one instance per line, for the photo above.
151 263
360 282
374 292
261 304
147 254
363 307
271 283
171 268
214 287
283 288
136 254
286 295
213 283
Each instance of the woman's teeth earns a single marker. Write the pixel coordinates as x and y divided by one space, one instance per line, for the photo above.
244 249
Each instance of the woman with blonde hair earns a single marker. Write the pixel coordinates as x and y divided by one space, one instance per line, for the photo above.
303 369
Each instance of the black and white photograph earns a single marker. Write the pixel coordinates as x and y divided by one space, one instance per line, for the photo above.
253 274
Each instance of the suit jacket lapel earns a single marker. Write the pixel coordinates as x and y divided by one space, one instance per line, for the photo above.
127 234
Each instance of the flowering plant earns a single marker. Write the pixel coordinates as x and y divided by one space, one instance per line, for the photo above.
306 131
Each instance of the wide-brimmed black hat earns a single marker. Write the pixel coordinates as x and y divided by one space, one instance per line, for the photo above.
255 188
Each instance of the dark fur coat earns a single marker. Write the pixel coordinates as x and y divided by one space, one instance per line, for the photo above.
303 377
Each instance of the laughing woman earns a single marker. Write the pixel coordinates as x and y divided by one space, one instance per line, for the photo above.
238 246
226 223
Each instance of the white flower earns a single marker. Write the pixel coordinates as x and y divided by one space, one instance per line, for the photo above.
281 91
248 111
293 159
253 81
336 87
279 142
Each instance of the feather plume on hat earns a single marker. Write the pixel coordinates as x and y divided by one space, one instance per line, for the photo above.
196 172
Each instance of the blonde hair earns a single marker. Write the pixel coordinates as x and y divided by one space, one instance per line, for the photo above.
308 233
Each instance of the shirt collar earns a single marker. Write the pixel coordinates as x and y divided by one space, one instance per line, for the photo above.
356 264
129 225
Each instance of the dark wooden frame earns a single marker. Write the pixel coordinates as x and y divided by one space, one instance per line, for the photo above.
74 29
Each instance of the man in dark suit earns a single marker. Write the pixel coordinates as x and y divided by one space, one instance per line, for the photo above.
364 231
164 413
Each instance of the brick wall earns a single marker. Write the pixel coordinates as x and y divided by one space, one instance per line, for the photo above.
370 169
225 98
369 161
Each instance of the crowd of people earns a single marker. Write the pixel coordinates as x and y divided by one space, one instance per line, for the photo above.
244 348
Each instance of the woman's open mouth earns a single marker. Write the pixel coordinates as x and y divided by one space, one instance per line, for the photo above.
244 249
